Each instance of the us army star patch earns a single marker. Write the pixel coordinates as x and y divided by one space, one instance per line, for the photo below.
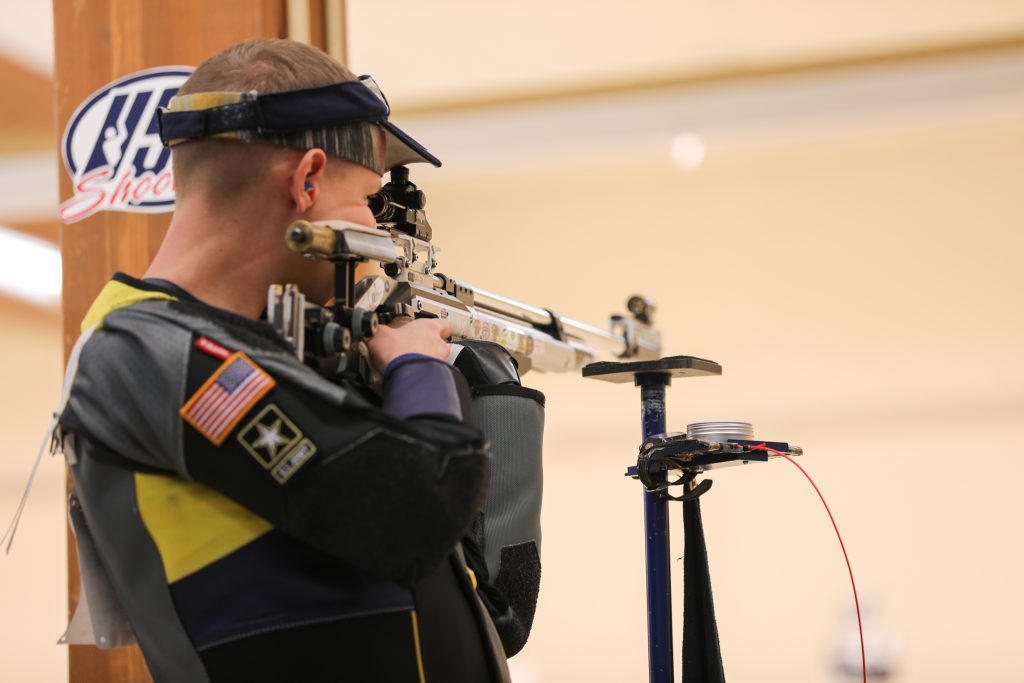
269 436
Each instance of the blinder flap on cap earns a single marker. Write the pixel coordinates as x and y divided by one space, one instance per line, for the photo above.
269 116
401 149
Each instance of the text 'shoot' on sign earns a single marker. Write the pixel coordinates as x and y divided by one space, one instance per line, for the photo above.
112 147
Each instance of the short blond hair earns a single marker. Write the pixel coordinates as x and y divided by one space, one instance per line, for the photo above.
263 65
266 65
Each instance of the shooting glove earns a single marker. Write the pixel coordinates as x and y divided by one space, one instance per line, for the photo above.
503 545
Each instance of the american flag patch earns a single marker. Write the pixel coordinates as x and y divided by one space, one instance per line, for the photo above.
226 397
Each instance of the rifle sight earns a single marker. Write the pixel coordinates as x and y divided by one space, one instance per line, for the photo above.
399 205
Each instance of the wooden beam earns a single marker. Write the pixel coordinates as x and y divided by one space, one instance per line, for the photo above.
97 42
308 22
317 28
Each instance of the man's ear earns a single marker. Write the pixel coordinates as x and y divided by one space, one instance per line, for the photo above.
306 178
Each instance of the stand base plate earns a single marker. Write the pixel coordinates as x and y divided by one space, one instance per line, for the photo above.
673 366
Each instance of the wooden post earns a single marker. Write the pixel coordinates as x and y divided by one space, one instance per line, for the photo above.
97 42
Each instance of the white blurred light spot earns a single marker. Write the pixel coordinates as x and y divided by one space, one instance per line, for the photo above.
688 151
29 268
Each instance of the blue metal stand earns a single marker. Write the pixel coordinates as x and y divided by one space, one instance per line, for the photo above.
652 377
659 570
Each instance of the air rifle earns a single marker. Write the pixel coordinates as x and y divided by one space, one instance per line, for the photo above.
326 336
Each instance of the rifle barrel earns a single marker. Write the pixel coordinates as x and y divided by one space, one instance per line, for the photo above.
538 317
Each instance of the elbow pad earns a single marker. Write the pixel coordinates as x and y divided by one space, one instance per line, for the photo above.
503 547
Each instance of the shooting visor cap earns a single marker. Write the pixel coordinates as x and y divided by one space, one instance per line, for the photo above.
325 117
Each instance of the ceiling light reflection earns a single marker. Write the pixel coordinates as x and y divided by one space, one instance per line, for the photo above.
30 268
688 151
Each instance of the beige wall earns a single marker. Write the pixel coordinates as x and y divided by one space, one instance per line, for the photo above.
860 289
461 49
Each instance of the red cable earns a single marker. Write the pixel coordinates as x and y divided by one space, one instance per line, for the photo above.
856 602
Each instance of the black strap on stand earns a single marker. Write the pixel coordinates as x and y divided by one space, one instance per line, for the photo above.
702 654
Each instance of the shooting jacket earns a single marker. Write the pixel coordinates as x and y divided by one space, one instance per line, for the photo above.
254 521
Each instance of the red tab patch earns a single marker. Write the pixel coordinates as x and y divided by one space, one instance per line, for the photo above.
226 397
213 348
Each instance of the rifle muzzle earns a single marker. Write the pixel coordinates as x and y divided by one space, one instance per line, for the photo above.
309 238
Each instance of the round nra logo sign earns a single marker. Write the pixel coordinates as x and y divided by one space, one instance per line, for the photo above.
112 147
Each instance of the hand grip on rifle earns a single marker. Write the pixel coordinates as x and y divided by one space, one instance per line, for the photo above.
425 336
